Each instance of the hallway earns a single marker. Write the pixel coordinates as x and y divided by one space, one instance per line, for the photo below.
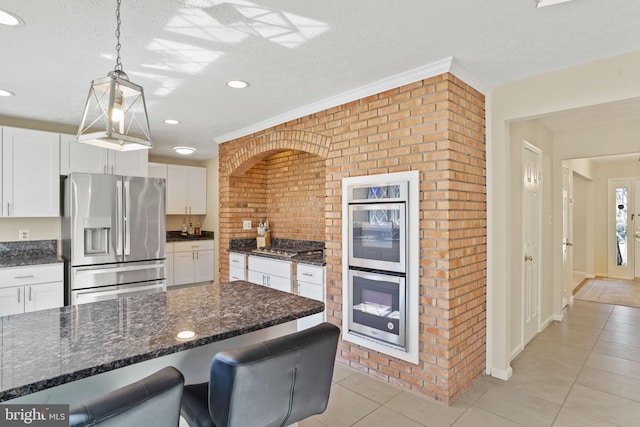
584 371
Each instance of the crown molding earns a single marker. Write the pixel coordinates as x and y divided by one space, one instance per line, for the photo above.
446 65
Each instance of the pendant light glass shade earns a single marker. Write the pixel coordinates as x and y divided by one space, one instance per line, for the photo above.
115 114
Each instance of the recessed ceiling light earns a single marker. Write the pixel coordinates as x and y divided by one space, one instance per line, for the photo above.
6 93
7 18
237 84
184 150
172 122
543 3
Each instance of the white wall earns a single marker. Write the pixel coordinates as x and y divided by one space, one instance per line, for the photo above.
604 81
580 225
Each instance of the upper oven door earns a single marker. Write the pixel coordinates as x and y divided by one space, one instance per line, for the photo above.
377 236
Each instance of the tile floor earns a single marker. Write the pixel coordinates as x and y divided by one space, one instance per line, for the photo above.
584 371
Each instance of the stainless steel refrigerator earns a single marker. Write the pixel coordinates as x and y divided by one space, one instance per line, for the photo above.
113 236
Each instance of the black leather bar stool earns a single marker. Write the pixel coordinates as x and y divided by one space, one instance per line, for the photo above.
152 401
274 383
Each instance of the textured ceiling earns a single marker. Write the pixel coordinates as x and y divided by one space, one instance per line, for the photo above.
294 53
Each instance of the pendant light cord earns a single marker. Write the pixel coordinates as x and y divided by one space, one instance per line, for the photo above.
118 68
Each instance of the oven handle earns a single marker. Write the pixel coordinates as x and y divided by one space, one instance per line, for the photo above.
111 293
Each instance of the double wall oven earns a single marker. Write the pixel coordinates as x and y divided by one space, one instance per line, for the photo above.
377 246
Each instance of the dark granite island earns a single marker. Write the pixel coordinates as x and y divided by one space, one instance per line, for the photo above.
71 354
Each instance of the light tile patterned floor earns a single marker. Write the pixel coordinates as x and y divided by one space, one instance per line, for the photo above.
582 372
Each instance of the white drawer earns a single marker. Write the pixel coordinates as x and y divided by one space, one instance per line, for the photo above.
237 260
169 247
30 275
270 266
310 274
237 274
194 245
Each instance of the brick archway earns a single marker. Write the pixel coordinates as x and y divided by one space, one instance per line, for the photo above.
264 145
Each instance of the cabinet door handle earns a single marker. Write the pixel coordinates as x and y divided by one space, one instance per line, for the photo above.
29 293
307 274
235 260
197 255
18 295
185 210
104 168
24 277
8 208
189 210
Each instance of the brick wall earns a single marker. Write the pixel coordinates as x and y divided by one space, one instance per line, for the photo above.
435 126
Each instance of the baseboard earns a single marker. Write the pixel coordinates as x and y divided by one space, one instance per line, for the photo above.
558 317
546 323
589 276
501 374
516 351
572 301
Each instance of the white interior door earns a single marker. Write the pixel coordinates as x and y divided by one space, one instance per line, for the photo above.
620 229
531 217
635 223
567 234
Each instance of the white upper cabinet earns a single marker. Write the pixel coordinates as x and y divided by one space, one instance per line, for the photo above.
186 190
30 173
78 157
157 170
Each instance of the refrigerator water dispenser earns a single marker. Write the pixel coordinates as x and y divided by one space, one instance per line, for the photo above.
96 235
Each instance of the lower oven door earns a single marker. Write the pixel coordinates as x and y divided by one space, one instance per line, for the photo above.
118 291
377 306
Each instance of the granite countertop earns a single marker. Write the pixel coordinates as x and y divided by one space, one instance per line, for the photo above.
175 236
28 252
246 246
48 348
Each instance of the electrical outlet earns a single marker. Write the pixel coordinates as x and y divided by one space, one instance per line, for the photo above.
246 224
23 234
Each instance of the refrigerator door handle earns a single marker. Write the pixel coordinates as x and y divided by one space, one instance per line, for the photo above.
119 224
127 212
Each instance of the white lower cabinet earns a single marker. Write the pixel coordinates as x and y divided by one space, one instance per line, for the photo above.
25 289
192 262
310 281
270 272
237 266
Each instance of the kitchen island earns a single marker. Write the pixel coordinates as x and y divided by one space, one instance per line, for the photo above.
74 353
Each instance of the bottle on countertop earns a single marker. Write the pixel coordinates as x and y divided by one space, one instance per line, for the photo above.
197 230
184 228
190 229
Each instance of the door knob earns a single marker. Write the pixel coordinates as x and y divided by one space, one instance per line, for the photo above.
637 236
528 258
569 244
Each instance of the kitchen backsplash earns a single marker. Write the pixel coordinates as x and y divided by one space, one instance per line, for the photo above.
28 249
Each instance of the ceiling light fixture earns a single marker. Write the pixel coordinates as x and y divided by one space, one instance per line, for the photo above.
6 93
115 115
184 150
543 3
237 84
172 122
8 18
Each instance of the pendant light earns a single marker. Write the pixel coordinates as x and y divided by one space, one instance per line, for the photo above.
115 114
